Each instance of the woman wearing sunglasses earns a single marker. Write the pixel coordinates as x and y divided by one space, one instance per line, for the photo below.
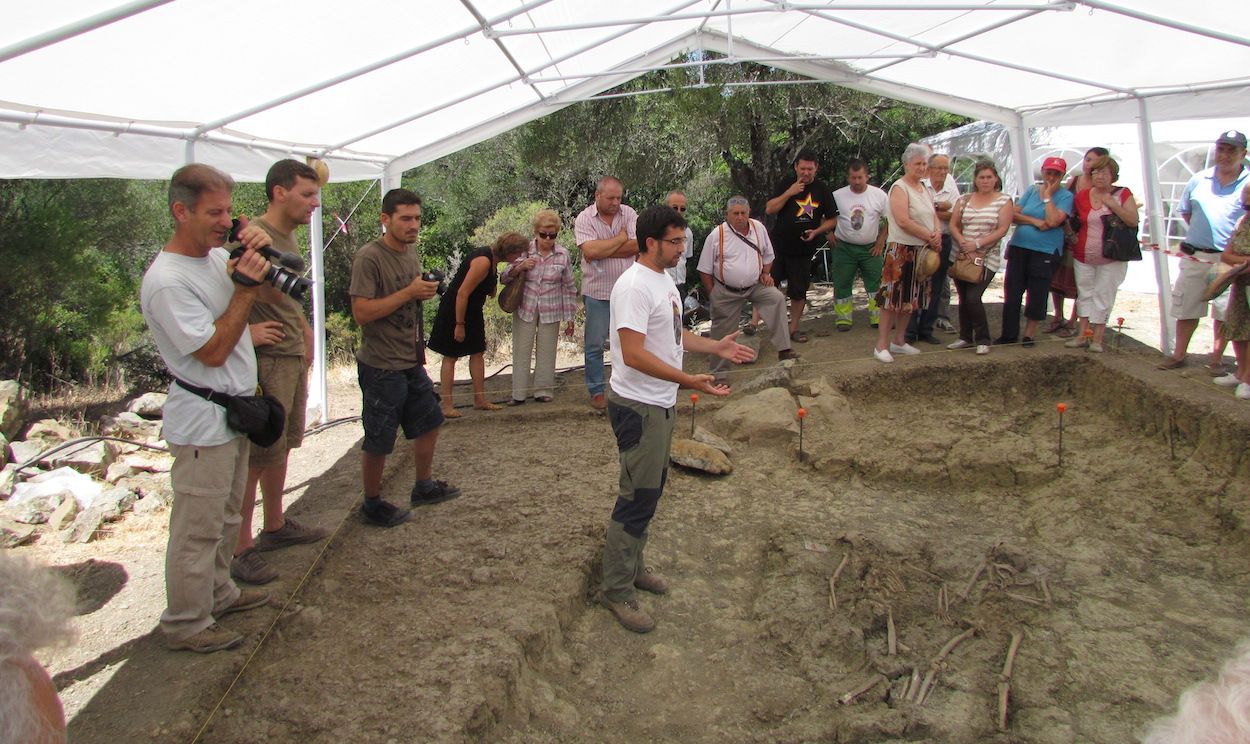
548 299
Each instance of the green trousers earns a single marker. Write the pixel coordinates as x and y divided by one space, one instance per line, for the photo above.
850 259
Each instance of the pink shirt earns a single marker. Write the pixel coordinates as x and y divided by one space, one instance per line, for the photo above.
1088 248
599 275
549 295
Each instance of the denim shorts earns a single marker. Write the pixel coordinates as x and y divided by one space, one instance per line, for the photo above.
394 398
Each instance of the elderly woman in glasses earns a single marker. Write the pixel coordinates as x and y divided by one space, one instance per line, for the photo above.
460 325
548 299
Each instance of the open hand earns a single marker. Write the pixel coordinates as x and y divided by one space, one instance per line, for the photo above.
266 332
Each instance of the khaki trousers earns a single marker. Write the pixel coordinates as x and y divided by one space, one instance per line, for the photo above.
524 333
725 307
208 487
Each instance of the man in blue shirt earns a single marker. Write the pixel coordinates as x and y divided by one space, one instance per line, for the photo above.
1211 205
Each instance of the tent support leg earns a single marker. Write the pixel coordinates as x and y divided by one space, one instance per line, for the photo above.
1158 234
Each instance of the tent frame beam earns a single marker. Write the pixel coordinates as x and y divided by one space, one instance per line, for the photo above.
82 26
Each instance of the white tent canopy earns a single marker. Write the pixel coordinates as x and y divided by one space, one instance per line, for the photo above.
92 88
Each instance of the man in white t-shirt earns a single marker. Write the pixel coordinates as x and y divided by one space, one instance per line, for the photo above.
647 344
859 243
196 303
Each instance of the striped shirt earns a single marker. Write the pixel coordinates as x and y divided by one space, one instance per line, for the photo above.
550 294
598 275
976 222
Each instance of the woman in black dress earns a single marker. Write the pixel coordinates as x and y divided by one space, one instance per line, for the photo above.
460 327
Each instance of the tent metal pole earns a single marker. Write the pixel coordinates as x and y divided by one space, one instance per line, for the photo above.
81 26
701 64
1178 25
1158 231
1022 150
318 393
189 152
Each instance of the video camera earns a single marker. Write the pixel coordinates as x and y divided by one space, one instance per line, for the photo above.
434 275
285 269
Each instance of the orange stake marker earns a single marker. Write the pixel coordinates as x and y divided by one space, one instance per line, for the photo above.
1061 408
802 415
694 401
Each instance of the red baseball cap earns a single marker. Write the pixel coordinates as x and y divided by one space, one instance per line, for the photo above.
1055 164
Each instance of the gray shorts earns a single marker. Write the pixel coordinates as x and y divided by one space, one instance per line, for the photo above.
394 398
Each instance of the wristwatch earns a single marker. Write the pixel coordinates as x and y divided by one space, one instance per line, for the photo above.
1045 201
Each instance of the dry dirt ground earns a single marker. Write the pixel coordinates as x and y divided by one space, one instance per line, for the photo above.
939 493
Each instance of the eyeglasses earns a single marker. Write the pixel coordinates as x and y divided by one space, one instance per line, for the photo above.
547 235
676 242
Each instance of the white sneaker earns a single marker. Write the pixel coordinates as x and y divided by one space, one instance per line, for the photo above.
904 349
882 355
983 349
1243 391
1228 380
960 344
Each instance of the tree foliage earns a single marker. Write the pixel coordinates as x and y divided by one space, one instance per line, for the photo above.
75 251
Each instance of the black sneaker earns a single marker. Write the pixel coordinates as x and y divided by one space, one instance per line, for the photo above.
441 492
383 513
1003 341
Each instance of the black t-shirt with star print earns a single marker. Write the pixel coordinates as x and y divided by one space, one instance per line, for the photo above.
802 213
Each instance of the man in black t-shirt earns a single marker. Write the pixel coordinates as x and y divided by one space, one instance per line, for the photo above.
805 211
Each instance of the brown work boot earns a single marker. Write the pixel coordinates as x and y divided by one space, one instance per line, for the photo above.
213 638
290 533
650 582
250 568
629 614
249 599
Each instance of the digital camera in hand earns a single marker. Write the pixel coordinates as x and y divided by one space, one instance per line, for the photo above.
434 275
284 267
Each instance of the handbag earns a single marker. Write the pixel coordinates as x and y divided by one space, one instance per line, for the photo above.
1119 241
261 417
510 295
968 267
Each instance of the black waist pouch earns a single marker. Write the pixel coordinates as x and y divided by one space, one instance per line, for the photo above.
261 417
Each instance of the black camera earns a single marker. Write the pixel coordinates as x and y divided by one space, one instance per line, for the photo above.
285 268
434 275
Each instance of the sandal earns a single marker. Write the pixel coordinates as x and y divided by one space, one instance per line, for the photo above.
1170 363
453 413
1055 325
750 329
543 398
799 337
488 407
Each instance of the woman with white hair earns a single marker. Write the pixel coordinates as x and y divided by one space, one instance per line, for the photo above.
35 608
913 226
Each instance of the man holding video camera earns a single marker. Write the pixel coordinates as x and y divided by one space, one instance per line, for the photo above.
196 301
387 289
284 344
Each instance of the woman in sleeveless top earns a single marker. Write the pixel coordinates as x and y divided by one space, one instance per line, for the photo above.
912 226
1097 277
978 222
460 325
1063 285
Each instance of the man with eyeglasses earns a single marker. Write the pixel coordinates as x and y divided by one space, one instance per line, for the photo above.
604 232
677 200
647 345
735 267
1211 205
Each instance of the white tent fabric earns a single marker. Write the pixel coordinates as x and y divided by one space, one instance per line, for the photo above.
93 88
128 91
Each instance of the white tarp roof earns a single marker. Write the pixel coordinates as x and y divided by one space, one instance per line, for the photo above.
98 88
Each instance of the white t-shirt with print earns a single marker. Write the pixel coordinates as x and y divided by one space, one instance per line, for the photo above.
860 215
646 301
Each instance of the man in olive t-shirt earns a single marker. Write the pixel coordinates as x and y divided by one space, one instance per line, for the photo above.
284 343
387 291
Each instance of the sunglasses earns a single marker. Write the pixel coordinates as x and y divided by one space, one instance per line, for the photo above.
680 209
547 235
